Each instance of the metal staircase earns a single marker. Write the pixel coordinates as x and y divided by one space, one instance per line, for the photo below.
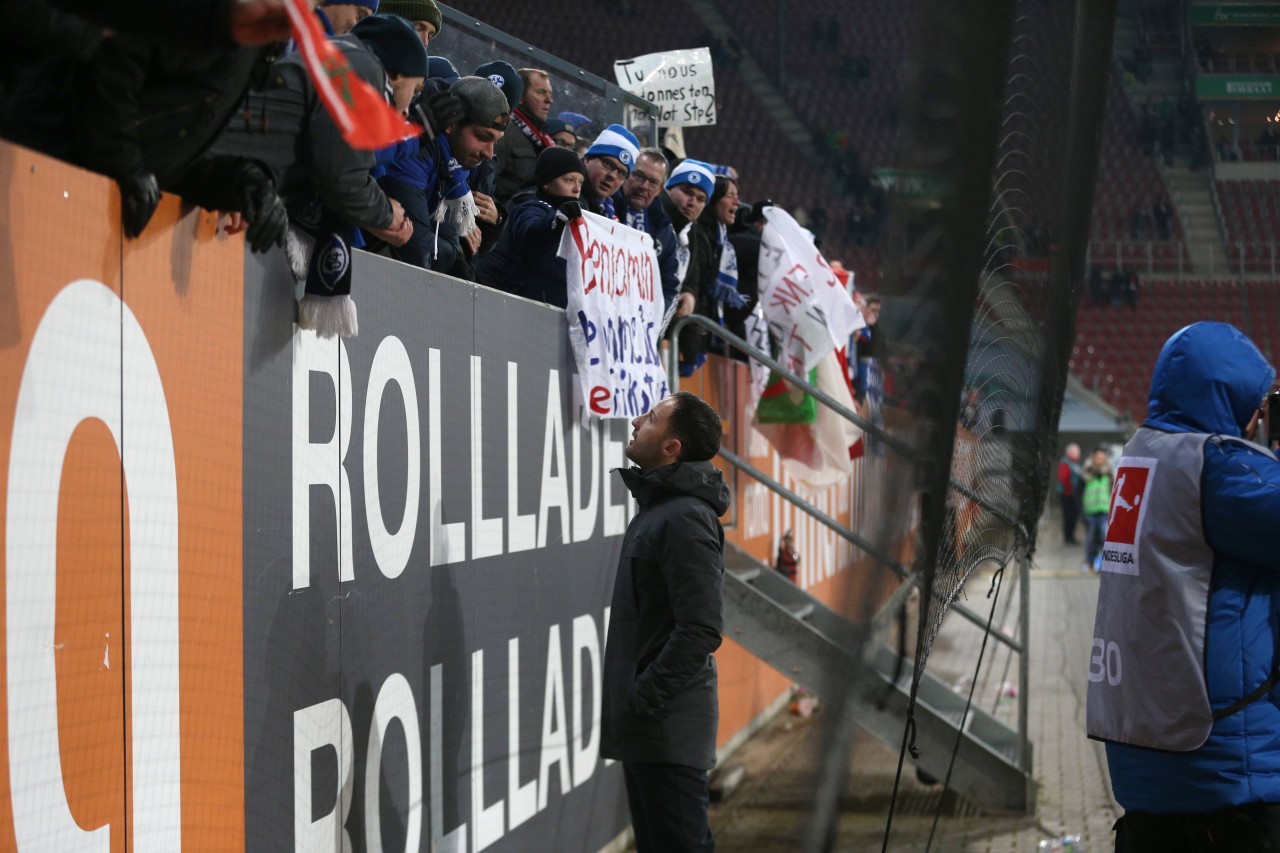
836 658
813 645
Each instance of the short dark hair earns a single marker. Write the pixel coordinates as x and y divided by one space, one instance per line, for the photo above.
697 425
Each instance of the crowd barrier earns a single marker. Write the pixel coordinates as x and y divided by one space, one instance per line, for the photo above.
267 592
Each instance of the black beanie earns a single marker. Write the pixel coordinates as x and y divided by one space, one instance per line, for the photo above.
482 102
506 78
554 162
396 44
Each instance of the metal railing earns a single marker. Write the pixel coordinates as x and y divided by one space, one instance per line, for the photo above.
905 450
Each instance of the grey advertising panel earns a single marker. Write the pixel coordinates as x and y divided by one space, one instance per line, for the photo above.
431 538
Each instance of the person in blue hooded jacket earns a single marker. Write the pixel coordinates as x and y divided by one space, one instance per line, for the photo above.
1182 672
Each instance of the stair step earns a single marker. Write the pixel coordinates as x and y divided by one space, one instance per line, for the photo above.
746 575
801 611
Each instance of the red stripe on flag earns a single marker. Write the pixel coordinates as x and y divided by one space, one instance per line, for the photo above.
364 117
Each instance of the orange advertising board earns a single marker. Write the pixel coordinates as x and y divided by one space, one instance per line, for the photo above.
120 376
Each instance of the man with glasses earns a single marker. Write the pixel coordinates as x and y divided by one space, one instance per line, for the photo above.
609 161
635 206
1183 666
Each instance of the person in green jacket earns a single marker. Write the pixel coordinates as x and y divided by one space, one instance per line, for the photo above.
1096 503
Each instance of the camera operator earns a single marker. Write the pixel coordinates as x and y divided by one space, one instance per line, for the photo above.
1182 672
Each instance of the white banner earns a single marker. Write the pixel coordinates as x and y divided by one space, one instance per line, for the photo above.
615 312
808 310
679 82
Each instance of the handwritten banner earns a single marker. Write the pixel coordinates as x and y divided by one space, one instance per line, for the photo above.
679 82
808 310
615 313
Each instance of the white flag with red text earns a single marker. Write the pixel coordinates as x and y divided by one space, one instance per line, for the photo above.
615 313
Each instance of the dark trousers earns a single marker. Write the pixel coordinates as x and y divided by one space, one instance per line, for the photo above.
1070 517
1246 829
668 808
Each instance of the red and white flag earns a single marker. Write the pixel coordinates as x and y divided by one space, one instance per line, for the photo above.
363 115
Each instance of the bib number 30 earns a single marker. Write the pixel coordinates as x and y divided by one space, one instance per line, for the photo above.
1104 664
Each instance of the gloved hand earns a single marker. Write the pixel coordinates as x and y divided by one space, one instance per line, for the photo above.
569 211
263 208
437 111
140 195
729 295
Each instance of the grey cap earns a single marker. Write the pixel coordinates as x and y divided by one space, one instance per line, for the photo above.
482 102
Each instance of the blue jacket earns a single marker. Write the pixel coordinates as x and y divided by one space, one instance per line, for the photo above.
1210 378
525 260
659 226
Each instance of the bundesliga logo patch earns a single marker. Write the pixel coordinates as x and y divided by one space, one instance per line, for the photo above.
1134 477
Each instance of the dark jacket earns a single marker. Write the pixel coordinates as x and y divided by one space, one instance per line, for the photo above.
524 261
515 155
700 279
658 225
659 683
286 127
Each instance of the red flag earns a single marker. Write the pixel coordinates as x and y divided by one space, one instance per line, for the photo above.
363 115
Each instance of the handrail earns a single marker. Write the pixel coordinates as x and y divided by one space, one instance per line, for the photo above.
902 448
673 381
847 534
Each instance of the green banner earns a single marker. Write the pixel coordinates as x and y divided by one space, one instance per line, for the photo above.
1236 14
1223 87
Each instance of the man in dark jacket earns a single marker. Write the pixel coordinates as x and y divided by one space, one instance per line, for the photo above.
660 713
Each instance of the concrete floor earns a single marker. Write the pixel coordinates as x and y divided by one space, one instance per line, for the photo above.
770 809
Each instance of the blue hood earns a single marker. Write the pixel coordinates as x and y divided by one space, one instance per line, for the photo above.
1209 378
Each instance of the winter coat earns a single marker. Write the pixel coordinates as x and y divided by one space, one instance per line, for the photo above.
1209 379
659 682
285 126
524 262
515 155
658 226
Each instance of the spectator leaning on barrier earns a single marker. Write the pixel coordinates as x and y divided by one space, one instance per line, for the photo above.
519 149
325 183
423 14
636 205
1183 668
490 215
685 197
432 184
338 19
717 277
608 161
525 261
659 709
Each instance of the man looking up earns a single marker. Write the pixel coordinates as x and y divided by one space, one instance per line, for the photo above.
659 711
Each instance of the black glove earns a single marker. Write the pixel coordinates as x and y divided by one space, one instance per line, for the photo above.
569 211
262 208
140 195
437 111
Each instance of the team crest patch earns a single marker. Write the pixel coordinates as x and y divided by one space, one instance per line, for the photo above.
695 178
625 157
1134 479
497 80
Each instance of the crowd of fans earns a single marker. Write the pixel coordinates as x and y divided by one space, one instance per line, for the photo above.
232 123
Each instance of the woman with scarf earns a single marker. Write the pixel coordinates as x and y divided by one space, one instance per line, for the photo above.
525 260
716 281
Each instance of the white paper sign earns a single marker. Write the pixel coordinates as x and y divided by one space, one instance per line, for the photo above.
679 82
808 310
615 312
